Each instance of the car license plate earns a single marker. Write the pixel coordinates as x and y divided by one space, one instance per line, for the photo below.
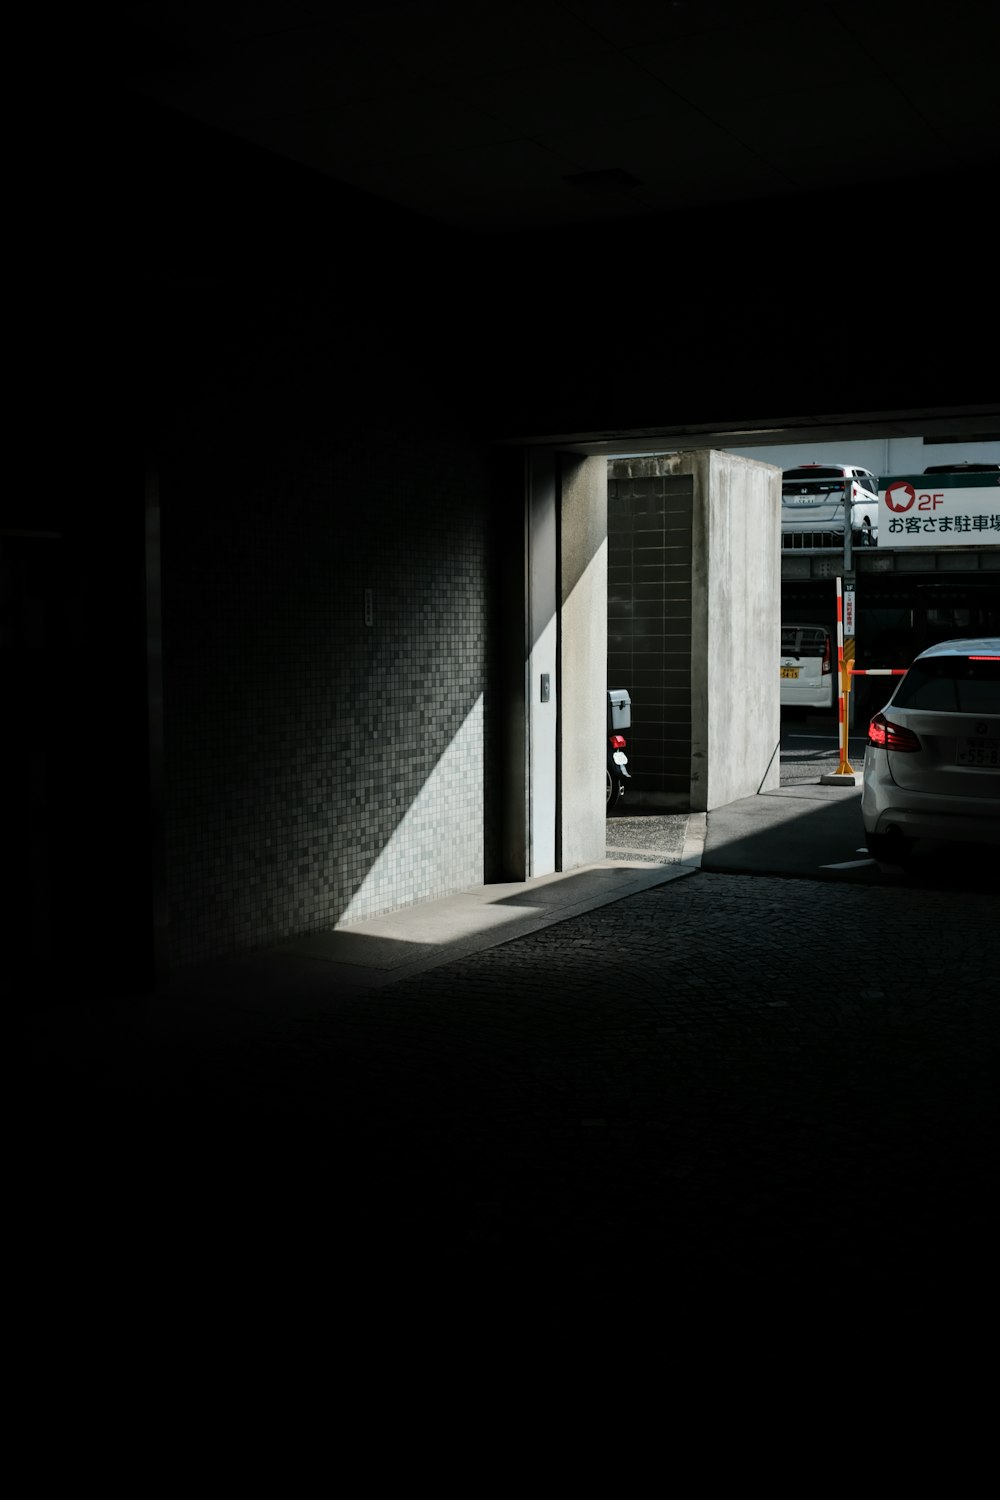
985 752
789 671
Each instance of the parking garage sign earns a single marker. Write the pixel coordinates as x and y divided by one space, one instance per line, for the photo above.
939 510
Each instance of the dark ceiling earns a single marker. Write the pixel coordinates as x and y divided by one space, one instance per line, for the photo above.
517 114
525 122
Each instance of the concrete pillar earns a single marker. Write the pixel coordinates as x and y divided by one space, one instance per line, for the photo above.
735 627
583 650
541 678
550 622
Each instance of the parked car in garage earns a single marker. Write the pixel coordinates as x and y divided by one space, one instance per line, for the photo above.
815 498
806 667
932 762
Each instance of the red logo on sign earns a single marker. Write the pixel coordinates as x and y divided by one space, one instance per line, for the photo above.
900 496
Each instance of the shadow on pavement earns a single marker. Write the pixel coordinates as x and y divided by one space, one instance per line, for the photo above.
805 830
815 832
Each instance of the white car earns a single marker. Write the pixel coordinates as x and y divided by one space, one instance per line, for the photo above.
807 674
932 762
813 505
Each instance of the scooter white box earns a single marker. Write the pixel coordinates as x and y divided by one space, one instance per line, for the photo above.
619 709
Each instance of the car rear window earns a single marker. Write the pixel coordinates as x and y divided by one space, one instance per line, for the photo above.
817 472
798 640
819 482
952 684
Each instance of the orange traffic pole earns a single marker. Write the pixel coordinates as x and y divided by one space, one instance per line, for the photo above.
844 769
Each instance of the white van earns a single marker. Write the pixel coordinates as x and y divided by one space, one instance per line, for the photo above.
807 667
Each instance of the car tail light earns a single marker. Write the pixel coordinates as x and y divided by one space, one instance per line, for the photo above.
617 741
827 663
984 658
885 735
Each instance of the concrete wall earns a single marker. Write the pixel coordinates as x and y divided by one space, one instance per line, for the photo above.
322 765
583 645
339 635
650 508
736 628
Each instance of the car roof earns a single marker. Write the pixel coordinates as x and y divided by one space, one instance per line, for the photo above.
963 468
979 645
825 468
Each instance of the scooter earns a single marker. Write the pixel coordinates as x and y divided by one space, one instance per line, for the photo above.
618 772
619 718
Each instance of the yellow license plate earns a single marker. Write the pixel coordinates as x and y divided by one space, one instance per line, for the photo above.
789 671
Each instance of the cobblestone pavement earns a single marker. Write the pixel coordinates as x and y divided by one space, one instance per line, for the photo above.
725 1084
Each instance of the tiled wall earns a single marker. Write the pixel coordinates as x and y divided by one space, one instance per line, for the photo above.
319 769
649 624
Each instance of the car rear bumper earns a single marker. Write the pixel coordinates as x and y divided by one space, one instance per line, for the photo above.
967 823
806 695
